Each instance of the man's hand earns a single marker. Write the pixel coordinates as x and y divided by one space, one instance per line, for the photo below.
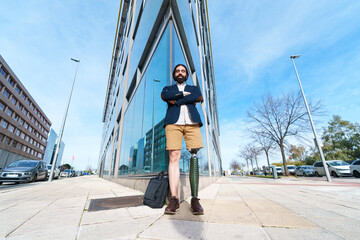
172 102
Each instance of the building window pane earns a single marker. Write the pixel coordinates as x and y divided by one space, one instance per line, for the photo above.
2 106
6 93
2 72
13 100
8 112
4 124
11 128
11 81
17 89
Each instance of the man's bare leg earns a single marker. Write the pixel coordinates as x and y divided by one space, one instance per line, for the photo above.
174 171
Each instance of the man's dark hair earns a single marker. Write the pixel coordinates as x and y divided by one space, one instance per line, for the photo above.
187 73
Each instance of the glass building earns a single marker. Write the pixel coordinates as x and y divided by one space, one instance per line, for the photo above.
51 148
153 36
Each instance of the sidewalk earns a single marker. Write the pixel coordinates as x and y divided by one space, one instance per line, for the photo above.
235 208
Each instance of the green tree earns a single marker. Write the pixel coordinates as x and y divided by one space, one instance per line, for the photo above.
341 139
297 152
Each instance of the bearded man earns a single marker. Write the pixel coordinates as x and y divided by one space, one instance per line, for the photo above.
182 120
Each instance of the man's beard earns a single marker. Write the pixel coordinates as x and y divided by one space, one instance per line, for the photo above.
180 80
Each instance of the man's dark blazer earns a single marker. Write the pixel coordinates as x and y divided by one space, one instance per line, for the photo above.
173 112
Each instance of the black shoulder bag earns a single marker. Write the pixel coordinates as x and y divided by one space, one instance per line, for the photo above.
156 191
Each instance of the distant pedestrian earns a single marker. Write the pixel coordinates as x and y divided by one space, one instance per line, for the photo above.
182 120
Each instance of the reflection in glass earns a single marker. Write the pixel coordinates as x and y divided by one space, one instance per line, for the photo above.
143 140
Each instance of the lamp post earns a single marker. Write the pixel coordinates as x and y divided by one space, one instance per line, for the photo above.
317 140
153 131
63 124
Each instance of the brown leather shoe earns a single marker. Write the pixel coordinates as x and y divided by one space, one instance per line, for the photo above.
173 206
196 207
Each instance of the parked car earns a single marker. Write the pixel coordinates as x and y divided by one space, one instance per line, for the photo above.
304 170
337 168
291 169
355 168
278 170
56 173
24 171
66 173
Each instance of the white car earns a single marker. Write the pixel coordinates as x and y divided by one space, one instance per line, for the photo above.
278 170
355 168
56 174
291 169
337 168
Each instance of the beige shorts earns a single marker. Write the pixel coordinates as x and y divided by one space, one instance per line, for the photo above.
175 133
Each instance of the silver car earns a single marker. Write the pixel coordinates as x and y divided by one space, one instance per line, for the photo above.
56 173
337 168
305 170
24 171
355 168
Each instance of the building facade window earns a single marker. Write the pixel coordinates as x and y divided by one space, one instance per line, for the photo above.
2 106
4 124
11 128
9 112
13 100
17 89
6 93
2 72
11 81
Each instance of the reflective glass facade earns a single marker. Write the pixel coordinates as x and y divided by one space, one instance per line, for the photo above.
152 37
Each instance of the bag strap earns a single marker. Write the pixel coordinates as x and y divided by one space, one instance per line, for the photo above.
161 174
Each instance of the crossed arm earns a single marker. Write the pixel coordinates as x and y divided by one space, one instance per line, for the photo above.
181 98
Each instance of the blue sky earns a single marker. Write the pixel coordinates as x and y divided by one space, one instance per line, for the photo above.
251 43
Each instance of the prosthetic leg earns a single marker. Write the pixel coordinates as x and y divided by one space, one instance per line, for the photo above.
194 183
194 173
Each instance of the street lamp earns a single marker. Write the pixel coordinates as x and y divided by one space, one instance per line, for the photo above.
63 124
153 131
317 140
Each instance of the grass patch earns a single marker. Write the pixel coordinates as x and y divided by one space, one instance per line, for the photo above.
261 176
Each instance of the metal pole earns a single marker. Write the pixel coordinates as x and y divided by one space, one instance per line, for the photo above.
153 131
63 125
312 123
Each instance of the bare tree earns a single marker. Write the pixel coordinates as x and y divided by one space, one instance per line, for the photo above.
255 152
234 165
278 118
246 155
250 153
266 145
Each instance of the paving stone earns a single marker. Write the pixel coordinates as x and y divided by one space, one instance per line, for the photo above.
119 214
267 207
145 211
53 234
51 219
174 229
300 234
218 216
233 231
109 230
284 220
